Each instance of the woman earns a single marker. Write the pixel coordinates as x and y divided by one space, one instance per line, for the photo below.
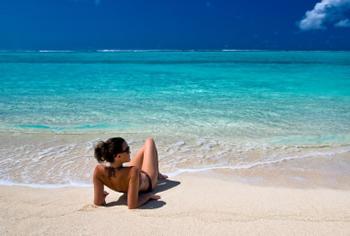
140 176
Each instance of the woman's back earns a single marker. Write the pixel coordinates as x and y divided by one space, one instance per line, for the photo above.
114 178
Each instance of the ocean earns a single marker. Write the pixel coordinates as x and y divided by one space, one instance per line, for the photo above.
254 113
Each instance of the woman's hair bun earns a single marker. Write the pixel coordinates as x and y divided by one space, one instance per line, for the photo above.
101 150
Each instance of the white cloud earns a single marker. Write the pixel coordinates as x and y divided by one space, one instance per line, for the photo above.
326 11
343 23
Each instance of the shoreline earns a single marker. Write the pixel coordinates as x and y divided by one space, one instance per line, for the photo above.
198 203
65 160
263 176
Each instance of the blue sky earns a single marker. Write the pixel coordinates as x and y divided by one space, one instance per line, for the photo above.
176 24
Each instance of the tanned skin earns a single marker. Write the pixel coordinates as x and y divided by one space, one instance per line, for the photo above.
129 180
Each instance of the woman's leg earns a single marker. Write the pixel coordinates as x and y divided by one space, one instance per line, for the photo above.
138 159
150 161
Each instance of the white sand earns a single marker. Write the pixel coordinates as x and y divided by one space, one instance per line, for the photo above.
200 204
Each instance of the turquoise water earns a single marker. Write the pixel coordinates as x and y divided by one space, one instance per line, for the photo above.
228 99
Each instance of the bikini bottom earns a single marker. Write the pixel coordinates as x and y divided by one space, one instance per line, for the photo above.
149 189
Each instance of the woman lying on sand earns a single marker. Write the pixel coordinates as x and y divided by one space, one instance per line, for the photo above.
141 175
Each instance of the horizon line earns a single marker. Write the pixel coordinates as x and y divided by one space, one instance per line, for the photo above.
163 50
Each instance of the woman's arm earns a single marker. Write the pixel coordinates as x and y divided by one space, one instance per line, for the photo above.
133 188
99 193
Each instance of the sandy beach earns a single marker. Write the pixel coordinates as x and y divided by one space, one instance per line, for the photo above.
190 204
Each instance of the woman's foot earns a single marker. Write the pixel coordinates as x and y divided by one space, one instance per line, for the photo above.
161 176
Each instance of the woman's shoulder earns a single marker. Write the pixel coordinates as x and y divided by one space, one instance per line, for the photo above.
102 170
99 169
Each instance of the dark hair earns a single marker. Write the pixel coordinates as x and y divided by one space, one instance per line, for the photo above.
106 151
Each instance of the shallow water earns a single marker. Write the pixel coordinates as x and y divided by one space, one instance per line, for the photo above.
241 110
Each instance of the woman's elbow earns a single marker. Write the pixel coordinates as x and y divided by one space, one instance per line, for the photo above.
131 207
132 204
99 203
